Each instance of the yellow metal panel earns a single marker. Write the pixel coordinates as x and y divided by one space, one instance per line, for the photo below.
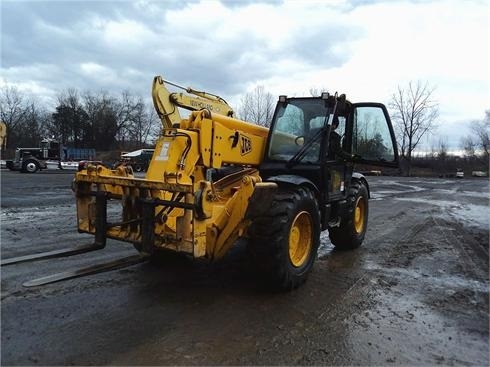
235 147
206 141
175 156
230 140
240 125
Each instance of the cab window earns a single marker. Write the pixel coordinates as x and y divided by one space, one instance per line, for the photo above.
372 139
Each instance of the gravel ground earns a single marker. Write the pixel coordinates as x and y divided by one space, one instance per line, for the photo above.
415 293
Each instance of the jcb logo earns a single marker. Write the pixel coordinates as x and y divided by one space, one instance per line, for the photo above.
246 146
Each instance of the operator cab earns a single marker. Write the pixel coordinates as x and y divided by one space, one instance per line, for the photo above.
301 129
316 141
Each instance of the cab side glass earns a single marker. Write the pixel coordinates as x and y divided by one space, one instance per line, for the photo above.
371 138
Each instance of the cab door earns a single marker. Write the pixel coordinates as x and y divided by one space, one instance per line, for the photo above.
372 137
338 169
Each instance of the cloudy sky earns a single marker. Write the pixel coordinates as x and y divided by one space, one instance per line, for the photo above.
362 48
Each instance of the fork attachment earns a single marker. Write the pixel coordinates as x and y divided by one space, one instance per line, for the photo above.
99 242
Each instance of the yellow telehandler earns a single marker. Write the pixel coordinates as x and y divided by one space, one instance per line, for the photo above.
214 179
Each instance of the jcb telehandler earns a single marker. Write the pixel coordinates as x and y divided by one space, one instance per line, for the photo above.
214 179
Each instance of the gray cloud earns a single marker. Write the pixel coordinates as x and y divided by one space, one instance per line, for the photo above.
241 3
116 45
229 47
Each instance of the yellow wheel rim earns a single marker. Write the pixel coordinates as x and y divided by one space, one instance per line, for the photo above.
359 215
300 237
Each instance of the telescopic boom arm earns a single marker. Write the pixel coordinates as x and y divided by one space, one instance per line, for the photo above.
167 103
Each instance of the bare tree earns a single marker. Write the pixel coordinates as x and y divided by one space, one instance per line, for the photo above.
143 125
24 118
257 107
70 119
154 125
442 153
468 144
414 114
128 108
102 120
12 107
12 112
481 129
478 142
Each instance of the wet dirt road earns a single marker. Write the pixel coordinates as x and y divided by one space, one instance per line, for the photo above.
415 293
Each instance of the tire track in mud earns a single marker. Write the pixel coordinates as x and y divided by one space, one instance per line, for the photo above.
434 232
424 239
356 292
445 228
464 246
414 287
314 339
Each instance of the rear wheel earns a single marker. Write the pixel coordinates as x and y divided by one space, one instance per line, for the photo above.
284 242
30 166
353 224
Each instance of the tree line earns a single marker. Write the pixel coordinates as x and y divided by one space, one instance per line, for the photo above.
83 120
101 120
124 122
415 112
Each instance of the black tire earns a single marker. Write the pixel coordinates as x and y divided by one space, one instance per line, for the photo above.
138 168
30 166
353 225
284 242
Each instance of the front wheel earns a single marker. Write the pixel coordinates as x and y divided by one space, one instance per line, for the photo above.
284 242
30 166
353 224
